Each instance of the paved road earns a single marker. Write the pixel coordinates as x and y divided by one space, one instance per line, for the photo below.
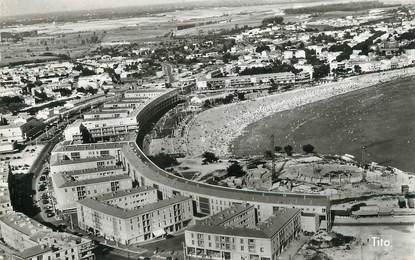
107 253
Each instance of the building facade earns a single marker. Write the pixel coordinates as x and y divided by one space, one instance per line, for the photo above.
128 226
215 239
24 238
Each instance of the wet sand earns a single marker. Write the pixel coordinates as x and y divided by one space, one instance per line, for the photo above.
381 117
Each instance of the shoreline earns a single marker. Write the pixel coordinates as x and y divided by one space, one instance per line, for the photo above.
215 129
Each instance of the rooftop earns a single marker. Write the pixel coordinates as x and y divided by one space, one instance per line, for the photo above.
66 147
63 181
266 229
126 214
146 91
93 170
33 251
123 193
45 238
23 224
83 160
127 101
227 214
101 112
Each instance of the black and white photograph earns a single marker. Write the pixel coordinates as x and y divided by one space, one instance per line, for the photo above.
207 130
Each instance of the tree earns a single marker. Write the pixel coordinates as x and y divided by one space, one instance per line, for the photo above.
357 69
268 154
321 71
273 20
86 135
288 150
262 48
278 149
209 157
235 169
308 148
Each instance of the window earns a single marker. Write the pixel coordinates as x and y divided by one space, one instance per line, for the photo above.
100 164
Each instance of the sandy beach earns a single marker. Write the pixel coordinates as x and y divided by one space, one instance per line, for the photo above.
216 128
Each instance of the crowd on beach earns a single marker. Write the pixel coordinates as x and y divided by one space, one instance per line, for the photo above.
215 129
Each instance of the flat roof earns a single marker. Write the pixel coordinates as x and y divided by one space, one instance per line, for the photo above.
252 76
64 147
93 170
101 112
265 229
227 214
126 214
145 90
64 181
33 251
127 101
9 126
123 193
23 223
83 160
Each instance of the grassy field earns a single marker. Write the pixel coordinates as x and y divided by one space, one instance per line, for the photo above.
46 48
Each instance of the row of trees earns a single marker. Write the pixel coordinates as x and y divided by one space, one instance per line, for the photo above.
276 67
289 150
273 20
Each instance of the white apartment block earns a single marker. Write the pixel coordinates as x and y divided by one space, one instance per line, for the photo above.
137 225
144 93
251 80
106 114
25 238
130 199
102 127
20 132
126 103
72 186
5 203
12 133
82 163
69 151
215 239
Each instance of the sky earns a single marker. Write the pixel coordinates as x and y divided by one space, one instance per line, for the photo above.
17 7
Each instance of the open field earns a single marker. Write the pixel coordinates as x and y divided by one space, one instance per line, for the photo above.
44 48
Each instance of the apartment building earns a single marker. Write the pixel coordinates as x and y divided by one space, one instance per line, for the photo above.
125 103
106 114
128 226
130 199
69 151
233 239
251 80
5 203
75 185
101 127
24 238
82 163
144 93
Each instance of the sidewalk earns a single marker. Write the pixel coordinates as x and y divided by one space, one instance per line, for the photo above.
293 248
